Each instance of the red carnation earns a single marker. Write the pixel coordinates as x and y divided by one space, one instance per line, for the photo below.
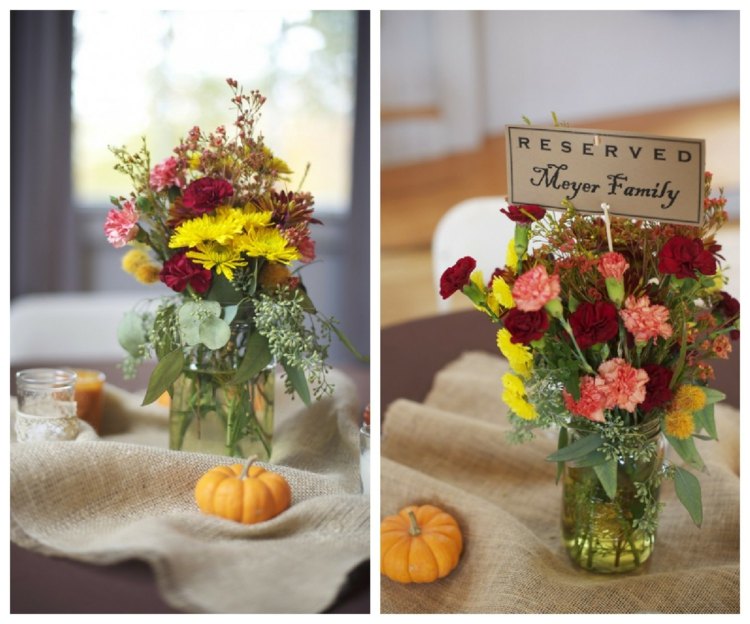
205 194
657 388
593 323
518 213
526 326
728 305
179 271
682 257
457 276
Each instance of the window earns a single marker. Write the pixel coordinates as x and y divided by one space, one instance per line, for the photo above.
157 74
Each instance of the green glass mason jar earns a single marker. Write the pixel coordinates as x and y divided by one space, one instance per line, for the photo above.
614 535
211 414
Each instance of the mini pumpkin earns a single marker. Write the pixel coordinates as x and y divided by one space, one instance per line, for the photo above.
419 544
246 494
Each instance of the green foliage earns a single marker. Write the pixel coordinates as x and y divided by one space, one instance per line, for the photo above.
688 490
166 372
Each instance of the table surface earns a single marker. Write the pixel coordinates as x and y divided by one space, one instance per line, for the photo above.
41 584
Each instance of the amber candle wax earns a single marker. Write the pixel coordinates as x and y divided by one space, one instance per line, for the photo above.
89 393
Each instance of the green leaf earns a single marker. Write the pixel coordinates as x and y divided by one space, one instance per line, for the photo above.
578 449
143 203
191 317
130 333
713 396
688 490
299 382
166 372
686 449
594 458
572 381
562 442
230 312
307 304
607 473
704 419
223 291
214 332
257 357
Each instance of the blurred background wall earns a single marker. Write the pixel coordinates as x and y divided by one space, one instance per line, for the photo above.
451 81
82 81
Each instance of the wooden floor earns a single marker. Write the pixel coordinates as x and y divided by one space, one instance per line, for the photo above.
414 197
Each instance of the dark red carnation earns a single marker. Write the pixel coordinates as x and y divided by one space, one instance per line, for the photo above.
514 213
682 257
734 334
728 305
526 326
593 323
456 277
205 194
657 388
179 271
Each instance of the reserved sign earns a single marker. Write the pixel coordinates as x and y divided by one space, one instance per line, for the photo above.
639 176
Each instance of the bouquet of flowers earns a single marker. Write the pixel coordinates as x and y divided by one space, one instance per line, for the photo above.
214 224
609 325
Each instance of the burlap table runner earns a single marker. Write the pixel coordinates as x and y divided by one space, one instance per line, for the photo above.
126 496
451 451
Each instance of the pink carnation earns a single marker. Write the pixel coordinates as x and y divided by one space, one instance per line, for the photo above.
624 386
121 226
535 288
645 321
613 264
164 175
592 402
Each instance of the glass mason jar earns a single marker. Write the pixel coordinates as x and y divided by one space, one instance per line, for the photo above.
610 536
210 414
46 405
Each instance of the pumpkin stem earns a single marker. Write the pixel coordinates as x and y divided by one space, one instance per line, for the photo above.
414 529
250 461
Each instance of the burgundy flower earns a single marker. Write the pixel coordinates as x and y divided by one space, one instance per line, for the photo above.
205 194
179 271
456 277
593 323
657 388
526 326
682 257
514 213
728 305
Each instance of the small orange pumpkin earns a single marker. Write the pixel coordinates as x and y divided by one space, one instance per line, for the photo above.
419 545
246 494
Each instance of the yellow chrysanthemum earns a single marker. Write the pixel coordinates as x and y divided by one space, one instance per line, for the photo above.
195 160
219 228
514 384
519 356
133 259
689 399
478 279
213 255
718 282
511 257
267 243
501 292
257 218
147 273
679 424
514 396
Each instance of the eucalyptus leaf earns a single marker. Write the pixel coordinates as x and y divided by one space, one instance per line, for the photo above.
562 442
348 344
688 490
130 333
230 312
191 317
594 458
214 332
704 419
299 382
165 373
578 449
687 450
713 396
257 357
607 473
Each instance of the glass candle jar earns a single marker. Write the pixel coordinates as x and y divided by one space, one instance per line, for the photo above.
46 405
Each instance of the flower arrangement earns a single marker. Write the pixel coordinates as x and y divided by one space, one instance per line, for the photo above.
215 224
609 325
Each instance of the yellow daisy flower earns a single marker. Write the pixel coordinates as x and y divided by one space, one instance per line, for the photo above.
511 257
689 399
514 396
267 243
257 218
501 292
214 255
679 424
